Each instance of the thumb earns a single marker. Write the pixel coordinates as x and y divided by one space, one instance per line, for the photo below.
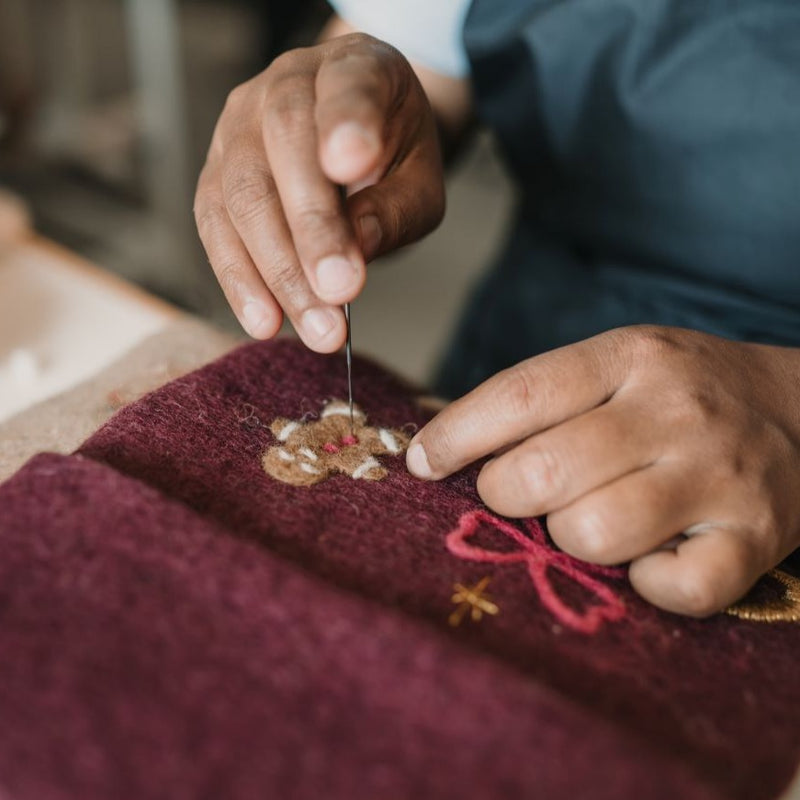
401 208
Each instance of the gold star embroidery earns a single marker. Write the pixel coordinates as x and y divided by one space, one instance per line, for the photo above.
472 600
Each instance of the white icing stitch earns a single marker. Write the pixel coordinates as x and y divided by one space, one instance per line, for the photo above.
365 467
288 430
308 468
286 456
305 451
389 442
341 410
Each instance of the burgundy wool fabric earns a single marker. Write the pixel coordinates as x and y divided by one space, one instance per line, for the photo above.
149 653
180 619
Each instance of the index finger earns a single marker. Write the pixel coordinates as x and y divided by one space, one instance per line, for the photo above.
321 232
518 402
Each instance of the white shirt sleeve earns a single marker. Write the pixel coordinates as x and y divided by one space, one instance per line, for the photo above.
425 31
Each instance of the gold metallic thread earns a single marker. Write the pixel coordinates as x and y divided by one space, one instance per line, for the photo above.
472 600
785 608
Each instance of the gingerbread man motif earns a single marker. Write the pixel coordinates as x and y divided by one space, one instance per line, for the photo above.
310 452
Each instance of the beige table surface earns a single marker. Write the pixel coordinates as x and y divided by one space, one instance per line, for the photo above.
61 423
63 319
77 342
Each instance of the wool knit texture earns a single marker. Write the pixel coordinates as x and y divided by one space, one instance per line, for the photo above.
176 623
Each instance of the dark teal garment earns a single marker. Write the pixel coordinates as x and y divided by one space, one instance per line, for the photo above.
656 144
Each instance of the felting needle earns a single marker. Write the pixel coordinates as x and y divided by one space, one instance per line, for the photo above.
349 356
349 345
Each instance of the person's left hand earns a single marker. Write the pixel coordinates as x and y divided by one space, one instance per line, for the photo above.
634 437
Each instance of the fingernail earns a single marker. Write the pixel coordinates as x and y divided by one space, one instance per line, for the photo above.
417 462
349 140
335 275
371 235
319 322
255 316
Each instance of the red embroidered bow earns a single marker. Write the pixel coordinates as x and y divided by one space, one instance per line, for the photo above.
539 557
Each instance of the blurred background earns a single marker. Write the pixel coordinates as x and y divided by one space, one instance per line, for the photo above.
106 111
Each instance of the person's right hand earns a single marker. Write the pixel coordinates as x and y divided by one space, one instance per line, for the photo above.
347 112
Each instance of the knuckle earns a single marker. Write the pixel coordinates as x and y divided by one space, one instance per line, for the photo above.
246 189
361 45
286 66
731 465
317 219
374 65
209 218
684 353
229 277
695 406
359 39
388 59
284 278
235 99
543 474
704 403
656 349
516 386
751 454
290 107
698 409
361 54
652 341
441 447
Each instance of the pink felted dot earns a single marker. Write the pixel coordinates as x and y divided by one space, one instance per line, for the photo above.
347 441
330 447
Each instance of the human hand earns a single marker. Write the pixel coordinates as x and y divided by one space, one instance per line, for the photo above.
347 112
632 438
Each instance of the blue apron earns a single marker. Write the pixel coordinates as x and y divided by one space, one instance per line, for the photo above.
656 145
